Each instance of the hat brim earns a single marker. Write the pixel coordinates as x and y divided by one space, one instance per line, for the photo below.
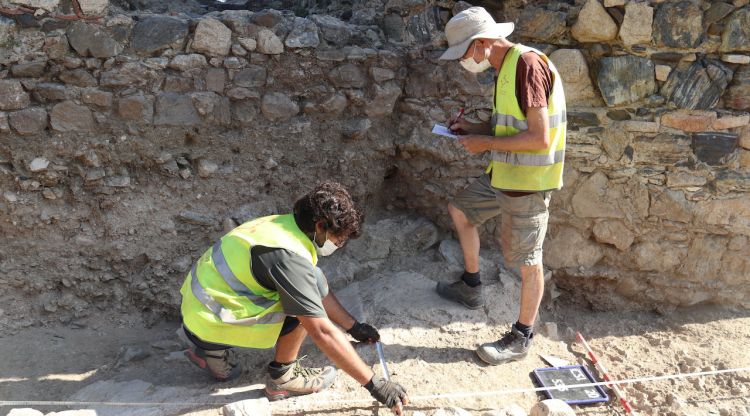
500 30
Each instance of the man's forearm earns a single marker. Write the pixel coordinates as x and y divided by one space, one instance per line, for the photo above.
523 141
336 347
336 312
484 128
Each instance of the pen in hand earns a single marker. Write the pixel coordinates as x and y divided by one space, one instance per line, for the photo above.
456 120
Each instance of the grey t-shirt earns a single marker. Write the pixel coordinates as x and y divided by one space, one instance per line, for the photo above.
301 285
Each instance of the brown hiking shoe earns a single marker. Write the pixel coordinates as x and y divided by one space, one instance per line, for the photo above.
295 380
460 292
221 364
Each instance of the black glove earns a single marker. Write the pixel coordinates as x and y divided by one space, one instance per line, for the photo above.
387 392
364 333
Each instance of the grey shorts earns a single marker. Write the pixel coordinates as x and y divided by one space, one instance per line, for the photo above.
523 223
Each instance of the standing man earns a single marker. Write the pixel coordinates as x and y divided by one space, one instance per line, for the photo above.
259 286
526 137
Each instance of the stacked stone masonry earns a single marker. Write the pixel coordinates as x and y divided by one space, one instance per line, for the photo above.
130 140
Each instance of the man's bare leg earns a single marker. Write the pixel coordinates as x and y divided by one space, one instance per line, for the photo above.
468 236
515 344
468 290
287 346
532 290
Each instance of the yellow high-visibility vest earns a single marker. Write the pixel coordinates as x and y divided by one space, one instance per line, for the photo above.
221 300
532 171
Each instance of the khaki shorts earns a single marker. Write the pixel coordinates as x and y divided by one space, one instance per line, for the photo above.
524 219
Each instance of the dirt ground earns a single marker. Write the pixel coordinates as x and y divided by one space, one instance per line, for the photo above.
428 343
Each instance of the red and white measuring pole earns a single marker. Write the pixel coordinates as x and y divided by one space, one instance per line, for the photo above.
599 366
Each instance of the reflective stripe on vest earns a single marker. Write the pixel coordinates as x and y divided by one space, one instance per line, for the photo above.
507 120
223 303
226 273
224 314
525 159
532 170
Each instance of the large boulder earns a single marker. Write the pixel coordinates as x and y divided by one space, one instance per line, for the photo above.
738 94
637 25
12 95
29 121
70 117
7 31
736 35
385 99
613 232
594 24
348 76
93 7
138 108
574 71
78 77
334 31
679 24
567 247
662 149
539 24
714 148
173 109
212 37
697 85
596 197
130 74
156 33
268 43
253 76
92 40
277 106
626 79
303 35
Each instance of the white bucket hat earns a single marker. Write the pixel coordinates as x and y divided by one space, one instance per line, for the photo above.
470 24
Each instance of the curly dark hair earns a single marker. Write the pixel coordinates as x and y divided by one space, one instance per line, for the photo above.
329 202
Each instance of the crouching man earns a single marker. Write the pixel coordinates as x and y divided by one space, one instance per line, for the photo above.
259 286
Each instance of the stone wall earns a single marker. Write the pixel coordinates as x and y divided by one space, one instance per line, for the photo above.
129 142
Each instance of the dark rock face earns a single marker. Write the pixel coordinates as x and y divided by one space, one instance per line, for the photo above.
91 40
626 79
69 116
78 77
714 148
678 25
738 93
29 121
582 119
697 86
540 24
736 35
174 109
428 25
12 95
156 33
716 12
29 70
251 77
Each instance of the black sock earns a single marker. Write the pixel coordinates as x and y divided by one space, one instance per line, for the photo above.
526 329
471 279
277 369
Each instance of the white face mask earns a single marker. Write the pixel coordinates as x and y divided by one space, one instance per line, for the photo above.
470 65
328 247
